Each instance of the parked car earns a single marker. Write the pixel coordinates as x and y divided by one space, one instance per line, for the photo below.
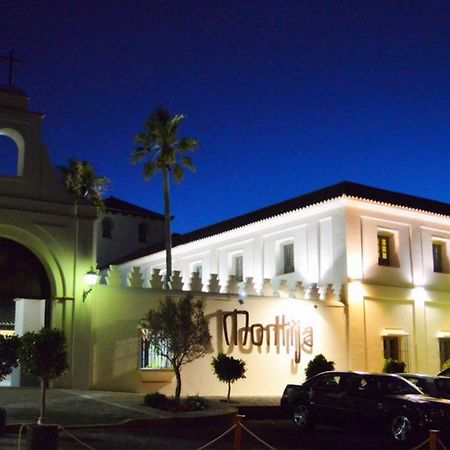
352 399
433 386
444 373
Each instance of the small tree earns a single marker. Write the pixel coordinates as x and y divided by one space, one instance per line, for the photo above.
228 370
44 355
81 182
178 331
9 345
446 365
318 365
393 366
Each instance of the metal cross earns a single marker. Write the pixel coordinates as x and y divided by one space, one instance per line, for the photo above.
11 60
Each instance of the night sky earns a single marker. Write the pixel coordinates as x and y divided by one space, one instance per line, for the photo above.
285 96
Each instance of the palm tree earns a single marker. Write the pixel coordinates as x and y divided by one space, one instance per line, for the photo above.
160 145
82 182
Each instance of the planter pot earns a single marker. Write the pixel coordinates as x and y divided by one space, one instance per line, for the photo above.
42 437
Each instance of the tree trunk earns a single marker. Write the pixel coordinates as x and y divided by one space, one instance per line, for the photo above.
167 229
44 383
229 391
178 387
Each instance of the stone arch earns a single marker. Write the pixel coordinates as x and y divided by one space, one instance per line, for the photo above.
22 275
18 139
41 250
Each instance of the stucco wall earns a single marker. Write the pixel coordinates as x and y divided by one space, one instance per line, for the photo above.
116 312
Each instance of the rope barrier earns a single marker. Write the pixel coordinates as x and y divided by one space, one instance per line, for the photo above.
421 445
60 427
257 438
442 444
217 438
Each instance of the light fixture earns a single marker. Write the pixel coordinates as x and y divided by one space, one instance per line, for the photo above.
90 279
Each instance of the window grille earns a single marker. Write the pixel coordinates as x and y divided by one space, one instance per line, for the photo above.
239 268
438 257
150 358
288 258
384 250
396 347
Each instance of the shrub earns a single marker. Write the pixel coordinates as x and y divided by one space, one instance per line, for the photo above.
446 365
318 365
393 366
195 403
156 400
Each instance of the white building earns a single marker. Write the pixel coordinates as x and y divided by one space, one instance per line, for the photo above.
353 272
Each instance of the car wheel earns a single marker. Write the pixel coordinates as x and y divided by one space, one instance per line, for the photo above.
402 427
302 418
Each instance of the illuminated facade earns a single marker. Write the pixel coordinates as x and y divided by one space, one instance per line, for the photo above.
353 272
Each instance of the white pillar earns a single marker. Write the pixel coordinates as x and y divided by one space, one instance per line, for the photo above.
30 316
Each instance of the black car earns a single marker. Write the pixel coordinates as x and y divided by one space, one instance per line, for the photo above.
352 399
433 386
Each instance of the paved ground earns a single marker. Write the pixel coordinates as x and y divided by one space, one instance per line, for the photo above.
73 407
106 418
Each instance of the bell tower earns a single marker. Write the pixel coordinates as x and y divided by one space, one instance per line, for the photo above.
34 177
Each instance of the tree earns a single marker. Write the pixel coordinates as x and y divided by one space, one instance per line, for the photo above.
43 354
9 345
178 331
81 181
318 365
163 151
228 370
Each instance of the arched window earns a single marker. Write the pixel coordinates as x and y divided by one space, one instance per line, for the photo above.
107 228
9 156
143 232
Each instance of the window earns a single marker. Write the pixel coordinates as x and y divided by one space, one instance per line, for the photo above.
150 358
391 347
396 347
239 268
384 257
444 350
143 231
438 256
288 258
107 228
197 268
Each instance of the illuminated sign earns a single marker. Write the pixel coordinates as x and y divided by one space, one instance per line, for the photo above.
280 333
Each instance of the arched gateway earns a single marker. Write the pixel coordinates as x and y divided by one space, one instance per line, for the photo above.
22 275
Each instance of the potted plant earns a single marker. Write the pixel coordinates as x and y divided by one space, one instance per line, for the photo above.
8 361
44 355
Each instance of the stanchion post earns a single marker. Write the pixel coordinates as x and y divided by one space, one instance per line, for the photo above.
434 439
238 432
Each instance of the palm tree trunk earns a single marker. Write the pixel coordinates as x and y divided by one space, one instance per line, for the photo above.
167 229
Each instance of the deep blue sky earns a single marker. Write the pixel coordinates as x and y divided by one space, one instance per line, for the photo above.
285 96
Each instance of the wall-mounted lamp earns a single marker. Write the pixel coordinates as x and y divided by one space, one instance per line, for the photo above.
90 279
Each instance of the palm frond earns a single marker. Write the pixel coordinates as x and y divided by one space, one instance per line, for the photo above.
188 144
178 173
149 169
187 162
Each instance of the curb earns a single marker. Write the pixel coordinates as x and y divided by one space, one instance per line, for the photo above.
213 418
